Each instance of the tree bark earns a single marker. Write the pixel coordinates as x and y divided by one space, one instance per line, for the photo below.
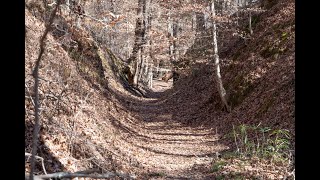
150 75
139 32
145 49
170 37
221 90
151 61
250 27
111 34
175 31
136 72
141 64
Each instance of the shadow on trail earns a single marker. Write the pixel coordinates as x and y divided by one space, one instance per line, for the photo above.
155 127
129 130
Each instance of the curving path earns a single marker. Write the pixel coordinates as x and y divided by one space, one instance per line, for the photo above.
165 148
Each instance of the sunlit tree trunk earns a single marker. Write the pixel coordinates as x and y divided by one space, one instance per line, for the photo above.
137 65
170 37
145 48
141 64
175 31
221 90
139 41
250 27
150 75
111 34
149 42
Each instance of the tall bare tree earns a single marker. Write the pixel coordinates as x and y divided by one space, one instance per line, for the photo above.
139 40
221 90
144 48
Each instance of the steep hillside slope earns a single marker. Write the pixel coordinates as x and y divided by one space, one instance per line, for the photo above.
258 74
77 105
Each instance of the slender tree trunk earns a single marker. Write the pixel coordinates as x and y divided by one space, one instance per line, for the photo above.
157 70
35 74
141 64
150 75
221 90
200 27
192 22
175 31
136 72
170 36
250 28
128 42
151 60
111 34
237 13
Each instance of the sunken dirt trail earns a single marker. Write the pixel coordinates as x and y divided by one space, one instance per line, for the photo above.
166 147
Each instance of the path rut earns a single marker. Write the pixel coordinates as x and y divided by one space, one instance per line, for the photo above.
162 145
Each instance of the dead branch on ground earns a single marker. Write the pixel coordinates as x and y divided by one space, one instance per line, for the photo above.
87 173
42 161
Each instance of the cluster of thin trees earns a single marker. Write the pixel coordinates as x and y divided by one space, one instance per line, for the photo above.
153 34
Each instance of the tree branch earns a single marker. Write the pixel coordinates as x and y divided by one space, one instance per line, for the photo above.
98 20
87 174
36 85
42 161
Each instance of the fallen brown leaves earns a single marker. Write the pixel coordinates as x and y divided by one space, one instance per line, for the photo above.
176 135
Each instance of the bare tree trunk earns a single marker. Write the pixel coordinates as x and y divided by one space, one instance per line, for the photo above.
175 31
145 49
221 90
200 26
250 28
128 42
35 74
237 13
139 32
151 60
139 41
111 33
141 64
157 70
150 75
170 37
136 72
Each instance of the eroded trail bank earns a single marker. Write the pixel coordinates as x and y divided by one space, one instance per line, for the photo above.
89 118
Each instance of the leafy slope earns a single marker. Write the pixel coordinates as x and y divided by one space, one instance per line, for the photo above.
258 76
76 109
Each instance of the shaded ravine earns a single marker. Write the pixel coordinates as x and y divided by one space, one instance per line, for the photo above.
160 144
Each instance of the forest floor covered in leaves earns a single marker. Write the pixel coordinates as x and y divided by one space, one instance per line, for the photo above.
175 132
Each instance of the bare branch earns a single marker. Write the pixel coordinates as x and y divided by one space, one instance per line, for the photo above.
38 157
87 174
100 21
36 85
30 95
